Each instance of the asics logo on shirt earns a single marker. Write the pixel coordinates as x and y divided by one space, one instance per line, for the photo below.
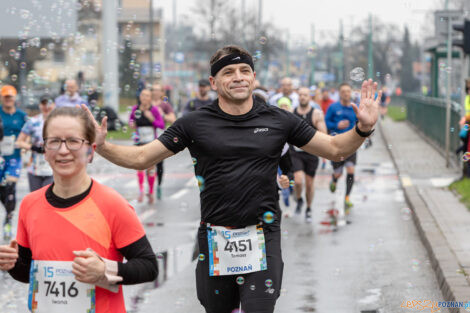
259 130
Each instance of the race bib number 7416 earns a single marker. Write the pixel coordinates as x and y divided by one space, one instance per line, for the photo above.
236 251
53 289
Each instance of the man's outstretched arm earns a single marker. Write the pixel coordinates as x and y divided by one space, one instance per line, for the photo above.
135 157
339 147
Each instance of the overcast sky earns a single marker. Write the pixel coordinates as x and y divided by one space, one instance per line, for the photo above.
297 15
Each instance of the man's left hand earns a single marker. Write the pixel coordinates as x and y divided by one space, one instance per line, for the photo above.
368 111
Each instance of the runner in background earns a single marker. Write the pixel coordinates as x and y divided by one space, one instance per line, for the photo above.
202 98
10 167
146 120
285 172
76 227
30 138
325 103
339 119
384 101
304 165
166 110
287 90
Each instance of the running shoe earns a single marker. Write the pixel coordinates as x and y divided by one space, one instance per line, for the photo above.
300 203
7 231
308 215
140 199
347 205
151 199
332 186
159 192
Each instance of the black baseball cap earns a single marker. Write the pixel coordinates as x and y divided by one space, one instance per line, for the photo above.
204 82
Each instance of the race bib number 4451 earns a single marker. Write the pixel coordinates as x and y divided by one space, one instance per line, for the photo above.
236 251
53 289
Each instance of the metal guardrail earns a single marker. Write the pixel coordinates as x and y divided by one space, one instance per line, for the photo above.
429 116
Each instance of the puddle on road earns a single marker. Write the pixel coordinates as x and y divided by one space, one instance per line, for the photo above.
170 263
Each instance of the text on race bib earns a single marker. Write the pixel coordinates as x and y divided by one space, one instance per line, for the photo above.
236 251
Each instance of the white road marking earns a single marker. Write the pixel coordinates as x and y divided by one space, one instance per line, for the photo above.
406 181
179 194
442 181
146 214
131 184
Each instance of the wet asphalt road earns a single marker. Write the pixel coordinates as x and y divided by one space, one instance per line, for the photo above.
374 263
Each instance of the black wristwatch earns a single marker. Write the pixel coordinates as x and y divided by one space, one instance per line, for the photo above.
364 134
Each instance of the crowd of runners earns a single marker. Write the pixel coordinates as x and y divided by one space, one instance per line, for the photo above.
247 145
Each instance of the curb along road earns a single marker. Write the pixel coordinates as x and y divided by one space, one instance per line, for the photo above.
454 286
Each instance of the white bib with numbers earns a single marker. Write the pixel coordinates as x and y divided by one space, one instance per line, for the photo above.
40 166
146 134
53 289
236 251
7 145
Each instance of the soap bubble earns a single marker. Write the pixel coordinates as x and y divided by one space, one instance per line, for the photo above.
357 74
268 217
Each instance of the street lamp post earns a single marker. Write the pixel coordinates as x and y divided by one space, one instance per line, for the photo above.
151 41
110 58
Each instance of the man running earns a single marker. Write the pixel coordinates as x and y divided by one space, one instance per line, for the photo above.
202 98
10 165
71 97
303 163
287 90
236 144
341 118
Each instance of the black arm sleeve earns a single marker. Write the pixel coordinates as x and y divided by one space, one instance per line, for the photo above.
21 270
141 265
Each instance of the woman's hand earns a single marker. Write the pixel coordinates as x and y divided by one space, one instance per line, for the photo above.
88 267
284 181
149 115
8 256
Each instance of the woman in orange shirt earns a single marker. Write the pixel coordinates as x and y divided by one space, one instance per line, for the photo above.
73 234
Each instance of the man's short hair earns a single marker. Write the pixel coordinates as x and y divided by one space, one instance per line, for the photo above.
344 84
220 53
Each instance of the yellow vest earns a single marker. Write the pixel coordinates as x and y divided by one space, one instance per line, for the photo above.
467 106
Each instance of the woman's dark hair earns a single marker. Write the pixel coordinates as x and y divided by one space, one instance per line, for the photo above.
78 113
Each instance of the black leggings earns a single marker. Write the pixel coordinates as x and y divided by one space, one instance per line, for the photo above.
8 197
222 294
159 172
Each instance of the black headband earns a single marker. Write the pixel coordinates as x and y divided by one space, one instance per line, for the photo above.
234 58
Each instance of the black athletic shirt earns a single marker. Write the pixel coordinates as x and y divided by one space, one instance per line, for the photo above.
236 158
308 118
